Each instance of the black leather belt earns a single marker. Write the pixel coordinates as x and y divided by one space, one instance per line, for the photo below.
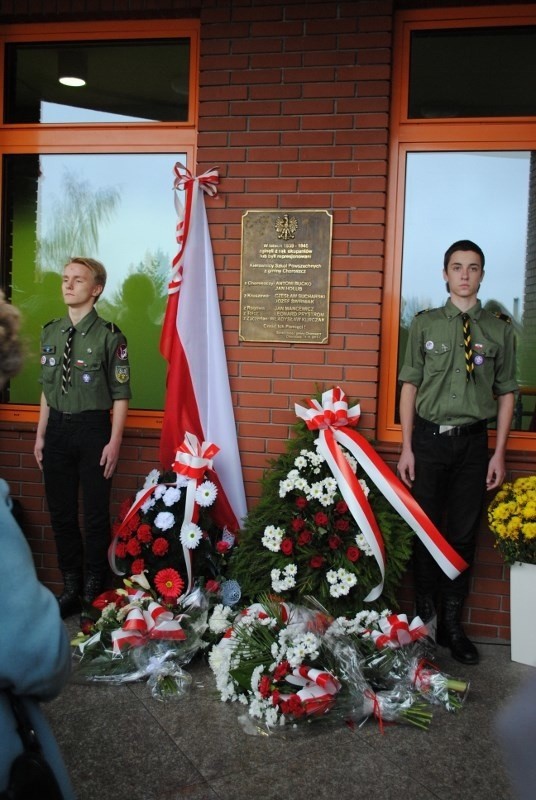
455 430
82 416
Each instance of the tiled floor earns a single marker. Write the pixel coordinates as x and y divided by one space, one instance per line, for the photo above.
121 744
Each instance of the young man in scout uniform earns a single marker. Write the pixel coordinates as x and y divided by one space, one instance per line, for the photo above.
84 374
458 373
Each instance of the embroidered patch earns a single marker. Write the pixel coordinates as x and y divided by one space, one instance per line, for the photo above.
48 348
478 360
122 352
122 374
43 359
86 377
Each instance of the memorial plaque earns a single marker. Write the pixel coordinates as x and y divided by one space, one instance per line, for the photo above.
285 276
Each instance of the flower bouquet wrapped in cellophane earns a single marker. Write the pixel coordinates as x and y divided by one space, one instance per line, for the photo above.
396 653
140 635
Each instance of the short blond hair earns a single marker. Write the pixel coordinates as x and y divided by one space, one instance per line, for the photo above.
11 350
97 268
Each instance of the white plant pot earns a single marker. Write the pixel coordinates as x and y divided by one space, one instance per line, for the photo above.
522 610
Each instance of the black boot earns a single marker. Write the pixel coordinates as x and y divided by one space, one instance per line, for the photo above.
69 599
425 607
451 634
94 584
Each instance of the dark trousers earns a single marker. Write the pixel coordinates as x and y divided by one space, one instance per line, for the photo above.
72 452
450 486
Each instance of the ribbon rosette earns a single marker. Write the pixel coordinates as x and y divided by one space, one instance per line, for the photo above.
335 423
192 460
397 632
318 689
141 624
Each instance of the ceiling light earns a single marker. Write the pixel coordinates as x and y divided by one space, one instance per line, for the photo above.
72 68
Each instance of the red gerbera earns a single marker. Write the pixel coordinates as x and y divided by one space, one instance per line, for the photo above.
169 583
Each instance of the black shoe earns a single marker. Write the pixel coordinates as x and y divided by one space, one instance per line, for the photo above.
451 634
69 600
425 607
94 585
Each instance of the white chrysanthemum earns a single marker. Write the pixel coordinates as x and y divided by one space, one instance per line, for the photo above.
206 494
219 619
331 576
171 496
351 460
300 462
159 491
272 538
330 484
285 487
272 717
191 535
293 474
164 520
181 481
256 676
335 590
291 570
327 500
316 491
152 479
149 503
301 484
363 545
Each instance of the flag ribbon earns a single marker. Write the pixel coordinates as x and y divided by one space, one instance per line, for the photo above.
335 423
192 460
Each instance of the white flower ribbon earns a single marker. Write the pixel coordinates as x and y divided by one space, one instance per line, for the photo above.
192 460
334 422
153 622
318 689
396 631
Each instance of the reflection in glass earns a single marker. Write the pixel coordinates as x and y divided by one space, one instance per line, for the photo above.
125 81
487 197
117 208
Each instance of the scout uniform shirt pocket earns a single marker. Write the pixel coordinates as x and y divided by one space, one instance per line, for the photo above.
50 363
88 373
484 354
438 356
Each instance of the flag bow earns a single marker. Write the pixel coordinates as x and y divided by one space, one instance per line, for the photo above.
335 423
141 624
318 688
192 460
397 632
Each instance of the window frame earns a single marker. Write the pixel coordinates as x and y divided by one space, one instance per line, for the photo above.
434 135
103 138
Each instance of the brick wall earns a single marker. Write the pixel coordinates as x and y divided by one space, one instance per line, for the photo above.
294 101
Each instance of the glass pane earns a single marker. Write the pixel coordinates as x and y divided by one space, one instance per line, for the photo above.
487 197
472 72
116 208
125 81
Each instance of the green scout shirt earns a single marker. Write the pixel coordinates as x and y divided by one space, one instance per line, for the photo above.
435 363
100 372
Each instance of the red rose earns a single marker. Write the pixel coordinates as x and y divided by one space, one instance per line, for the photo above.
137 566
321 518
160 546
222 547
298 524
316 562
144 533
342 524
334 542
287 546
353 553
264 686
133 547
305 537
341 507
212 586
301 502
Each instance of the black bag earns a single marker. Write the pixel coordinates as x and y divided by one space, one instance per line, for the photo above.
31 776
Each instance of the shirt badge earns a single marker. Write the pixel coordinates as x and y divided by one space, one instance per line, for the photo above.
429 345
122 374
86 377
48 348
122 352
43 359
478 360
52 361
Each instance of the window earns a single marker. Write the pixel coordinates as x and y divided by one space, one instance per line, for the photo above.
463 167
88 170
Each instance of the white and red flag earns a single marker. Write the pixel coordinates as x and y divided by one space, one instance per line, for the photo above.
198 395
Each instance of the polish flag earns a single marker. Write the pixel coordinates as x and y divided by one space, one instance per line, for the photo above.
198 395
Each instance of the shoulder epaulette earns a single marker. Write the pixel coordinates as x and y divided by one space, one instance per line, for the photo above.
56 319
111 326
423 311
504 317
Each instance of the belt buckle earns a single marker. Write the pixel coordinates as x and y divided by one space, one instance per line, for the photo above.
67 416
445 429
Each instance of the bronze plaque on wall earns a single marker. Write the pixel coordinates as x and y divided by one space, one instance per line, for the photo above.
285 276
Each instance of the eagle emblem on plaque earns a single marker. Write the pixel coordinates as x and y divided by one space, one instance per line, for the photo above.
286 226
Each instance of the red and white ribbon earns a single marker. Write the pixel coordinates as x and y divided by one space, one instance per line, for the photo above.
335 422
318 688
397 632
192 460
141 624
184 180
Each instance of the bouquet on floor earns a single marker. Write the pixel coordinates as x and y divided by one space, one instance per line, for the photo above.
303 539
394 653
290 665
144 633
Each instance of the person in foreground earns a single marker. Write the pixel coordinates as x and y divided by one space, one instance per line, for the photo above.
84 373
34 647
458 374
